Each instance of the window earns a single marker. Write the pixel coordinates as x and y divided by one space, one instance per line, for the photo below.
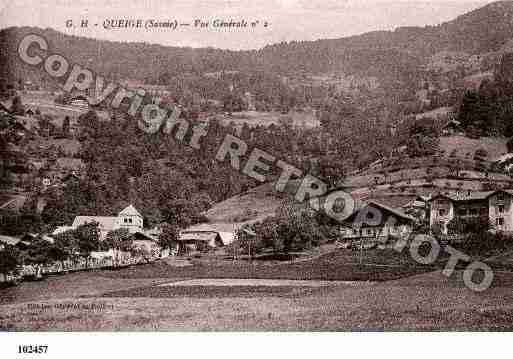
462 211
129 220
484 211
499 221
125 220
473 212
442 212
501 209
500 196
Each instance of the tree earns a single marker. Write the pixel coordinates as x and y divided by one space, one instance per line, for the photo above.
37 252
66 126
17 107
184 212
248 242
119 239
480 155
87 238
89 124
80 241
9 259
293 228
66 242
475 226
169 236
11 160
330 170
56 253
437 229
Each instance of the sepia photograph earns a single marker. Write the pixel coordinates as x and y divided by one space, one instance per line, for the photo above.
255 166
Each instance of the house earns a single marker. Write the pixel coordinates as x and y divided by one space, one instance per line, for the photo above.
492 205
13 241
500 211
128 218
373 220
198 241
204 236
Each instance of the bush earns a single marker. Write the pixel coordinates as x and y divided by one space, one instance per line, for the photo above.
484 243
9 259
292 229
509 145
480 154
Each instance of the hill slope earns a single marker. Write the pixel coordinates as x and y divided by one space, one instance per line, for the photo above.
392 56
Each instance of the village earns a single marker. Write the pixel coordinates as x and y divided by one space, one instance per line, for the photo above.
125 240
358 183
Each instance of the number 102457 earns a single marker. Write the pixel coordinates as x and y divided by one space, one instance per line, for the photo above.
32 349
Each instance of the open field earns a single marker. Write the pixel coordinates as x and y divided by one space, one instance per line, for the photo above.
423 302
328 292
260 118
340 265
466 147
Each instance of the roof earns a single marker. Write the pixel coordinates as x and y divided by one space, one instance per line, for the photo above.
394 201
465 196
62 229
227 237
225 230
215 227
197 236
504 157
13 203
130 211
144 236
105 223
9 240
394 211
33 236
206 237
360 205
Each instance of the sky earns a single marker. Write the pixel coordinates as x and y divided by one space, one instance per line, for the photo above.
287 19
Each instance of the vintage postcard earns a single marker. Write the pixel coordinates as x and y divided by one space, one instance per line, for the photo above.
267 165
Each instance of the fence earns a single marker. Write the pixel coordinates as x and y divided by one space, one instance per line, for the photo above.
37 271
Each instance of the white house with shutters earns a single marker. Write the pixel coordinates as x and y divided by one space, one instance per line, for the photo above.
128 218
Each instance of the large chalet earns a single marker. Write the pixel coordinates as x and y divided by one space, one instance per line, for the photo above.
493 205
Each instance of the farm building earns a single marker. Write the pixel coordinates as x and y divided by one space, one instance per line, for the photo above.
375 220
203 237
198 241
